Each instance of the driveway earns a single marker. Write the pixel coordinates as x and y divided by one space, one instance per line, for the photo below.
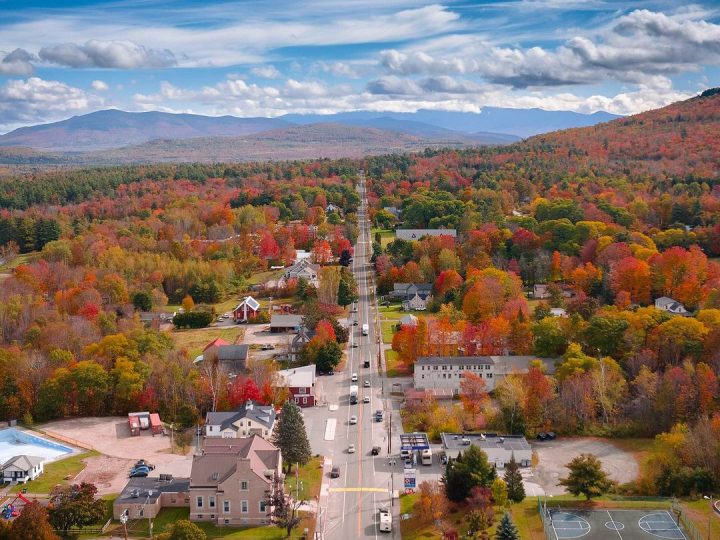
621 466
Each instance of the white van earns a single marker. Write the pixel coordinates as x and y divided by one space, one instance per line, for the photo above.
385 519
426 457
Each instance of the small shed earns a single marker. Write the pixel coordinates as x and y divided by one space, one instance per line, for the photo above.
134 424
155 424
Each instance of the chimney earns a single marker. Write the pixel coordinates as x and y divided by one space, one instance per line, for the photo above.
248 405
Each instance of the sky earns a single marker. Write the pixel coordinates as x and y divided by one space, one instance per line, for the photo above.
271 57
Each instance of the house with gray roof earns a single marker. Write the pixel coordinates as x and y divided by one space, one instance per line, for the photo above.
285 323
670 305
251 419
145 497
20 469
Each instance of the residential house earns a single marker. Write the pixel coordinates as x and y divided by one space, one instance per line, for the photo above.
417 303
285 323
20 469
408 320
302 269
558 312
145 497
301 255
232 480
394 210
154 319
540 291
300 382
407 291
499 448
417 234
246 310
666 303
251 419
448 371
299 341
330 208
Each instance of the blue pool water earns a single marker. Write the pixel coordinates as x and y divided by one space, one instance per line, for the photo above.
14 442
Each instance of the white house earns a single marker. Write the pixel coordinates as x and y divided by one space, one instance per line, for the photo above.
558 312
417 302
20 469
302 269
448 371
666 303
252 419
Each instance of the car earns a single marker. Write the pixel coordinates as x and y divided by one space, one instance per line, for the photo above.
375 451
353 420
351 449
267 347
405 454
139 474
355 345
443 458
551 435
355 323
331 372
354 309
366 384
354 377
143 463
366 399
379 415
335 472
542 436
142 468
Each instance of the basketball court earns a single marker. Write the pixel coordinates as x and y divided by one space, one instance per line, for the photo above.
567 524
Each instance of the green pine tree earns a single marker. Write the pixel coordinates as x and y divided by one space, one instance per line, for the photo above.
290 436
513 479
506 529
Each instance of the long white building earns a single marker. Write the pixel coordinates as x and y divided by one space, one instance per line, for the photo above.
448 371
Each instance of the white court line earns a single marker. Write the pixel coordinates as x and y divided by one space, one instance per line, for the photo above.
613 522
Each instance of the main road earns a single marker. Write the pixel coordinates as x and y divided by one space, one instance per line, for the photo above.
349 504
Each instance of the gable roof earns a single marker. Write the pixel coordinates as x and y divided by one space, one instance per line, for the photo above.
503 363
217 342
300 377
286 320
262 414
220 457
22 462
232 353
250 302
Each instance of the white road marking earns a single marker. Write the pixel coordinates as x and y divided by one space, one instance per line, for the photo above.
330 429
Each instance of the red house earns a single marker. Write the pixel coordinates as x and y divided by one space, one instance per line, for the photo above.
300 382
246 310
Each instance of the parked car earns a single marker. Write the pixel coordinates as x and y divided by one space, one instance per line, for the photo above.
335 472
267 347
375 451
543 436
351 449
143 463
353 420
142 473
379 415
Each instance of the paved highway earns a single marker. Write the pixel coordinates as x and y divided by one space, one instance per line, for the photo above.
349 504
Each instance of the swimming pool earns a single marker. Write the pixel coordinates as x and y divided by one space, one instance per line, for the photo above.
15 442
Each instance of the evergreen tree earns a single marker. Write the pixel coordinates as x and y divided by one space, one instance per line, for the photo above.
183 529
506 529
347 289
467 471
142 301
290 436
345 257
513 479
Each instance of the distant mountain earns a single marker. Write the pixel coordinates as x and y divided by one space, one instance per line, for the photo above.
114 128
492 120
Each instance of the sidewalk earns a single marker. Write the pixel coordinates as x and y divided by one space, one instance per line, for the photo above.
323 501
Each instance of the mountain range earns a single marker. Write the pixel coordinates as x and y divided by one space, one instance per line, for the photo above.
113 129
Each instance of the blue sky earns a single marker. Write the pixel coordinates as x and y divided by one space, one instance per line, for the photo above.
271 57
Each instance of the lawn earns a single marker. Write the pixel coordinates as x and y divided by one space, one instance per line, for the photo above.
386 236
195 340
388 331
393 366
262 277
310 477
57 472
168 516
701 515
25 258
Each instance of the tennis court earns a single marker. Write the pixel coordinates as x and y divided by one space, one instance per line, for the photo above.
567 524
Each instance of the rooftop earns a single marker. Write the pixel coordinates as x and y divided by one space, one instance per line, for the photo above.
505 364
233 352
220 459
300 377
462 441
286 320
23 462
140 490
414 441
261 414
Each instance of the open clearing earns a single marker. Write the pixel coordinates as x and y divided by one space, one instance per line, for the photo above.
111 437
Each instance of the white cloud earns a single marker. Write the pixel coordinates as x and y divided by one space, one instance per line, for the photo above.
16 63
99 86
267 72
38 100
121 54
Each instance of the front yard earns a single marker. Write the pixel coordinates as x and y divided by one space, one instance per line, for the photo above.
195 340
59 472
310 478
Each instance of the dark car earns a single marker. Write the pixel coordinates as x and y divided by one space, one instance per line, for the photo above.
551 435
143 463
375 451
139 473
355 323
542 436
335 472
443 458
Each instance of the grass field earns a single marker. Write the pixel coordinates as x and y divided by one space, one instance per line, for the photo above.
262 277
394 367
388 330
194 340
168 516
310 477
25 258
57 471
386 236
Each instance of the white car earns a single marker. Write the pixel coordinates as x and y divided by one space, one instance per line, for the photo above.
351 449
366 399
367 384
353 420
354 377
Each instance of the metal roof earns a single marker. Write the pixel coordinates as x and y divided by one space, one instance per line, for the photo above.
463 441
414 441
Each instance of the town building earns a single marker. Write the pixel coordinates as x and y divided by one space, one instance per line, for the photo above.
417 234
448 371
285 323
232 481
246 310
499 448
145 497
666 303
20 469
251 419
300 382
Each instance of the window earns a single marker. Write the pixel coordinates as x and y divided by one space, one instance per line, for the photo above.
211 501
304 401
489 375
262 506
244 485
244 507
227 521
199 502
226 507
301 390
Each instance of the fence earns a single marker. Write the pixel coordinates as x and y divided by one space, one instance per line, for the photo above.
688 526
542 509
